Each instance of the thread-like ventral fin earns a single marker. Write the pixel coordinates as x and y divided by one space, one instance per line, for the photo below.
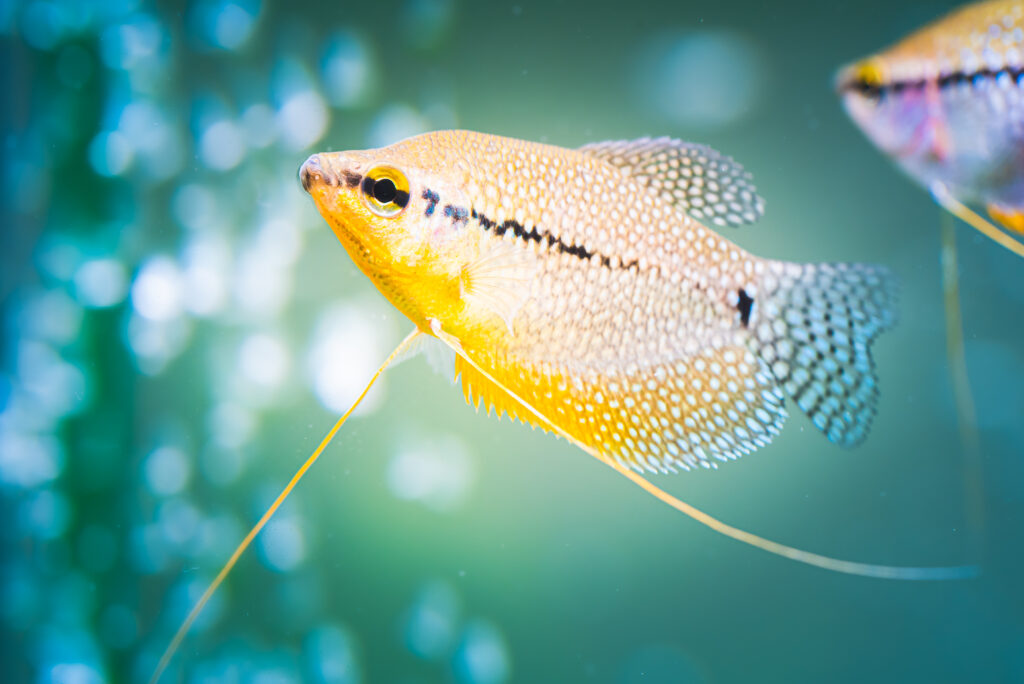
706 184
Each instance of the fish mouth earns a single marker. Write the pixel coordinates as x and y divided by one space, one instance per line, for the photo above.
329 169
844 80
312 173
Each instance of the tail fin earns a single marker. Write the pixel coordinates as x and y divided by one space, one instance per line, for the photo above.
814 331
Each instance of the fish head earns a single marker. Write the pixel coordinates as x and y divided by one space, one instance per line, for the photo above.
383 206
890 119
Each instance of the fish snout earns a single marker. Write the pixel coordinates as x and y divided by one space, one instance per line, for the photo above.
312 173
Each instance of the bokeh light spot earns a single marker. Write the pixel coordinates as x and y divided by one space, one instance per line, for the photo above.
221 146
258 125
437 473
395 123
331 655
302 119
264 360
46 514
42 24
156 292
482 657
348 344
282 544
100 283
348 69
167 470
431 626
701 79
110 154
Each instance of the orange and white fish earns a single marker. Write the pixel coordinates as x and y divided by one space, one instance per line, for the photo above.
581 293
947 104
579 282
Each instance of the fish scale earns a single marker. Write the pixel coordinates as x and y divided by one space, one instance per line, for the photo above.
583 284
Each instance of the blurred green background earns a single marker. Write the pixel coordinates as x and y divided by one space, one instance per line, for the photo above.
180 329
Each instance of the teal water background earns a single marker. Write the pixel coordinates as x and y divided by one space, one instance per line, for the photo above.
181 328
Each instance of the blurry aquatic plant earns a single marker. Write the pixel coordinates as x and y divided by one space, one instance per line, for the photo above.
155 321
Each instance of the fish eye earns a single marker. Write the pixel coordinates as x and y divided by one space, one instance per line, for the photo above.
385 191
869 79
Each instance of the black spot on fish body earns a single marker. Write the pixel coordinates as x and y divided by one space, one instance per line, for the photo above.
745 305
457 214
352 179
432 199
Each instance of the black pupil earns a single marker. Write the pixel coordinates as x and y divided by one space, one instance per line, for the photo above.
384 191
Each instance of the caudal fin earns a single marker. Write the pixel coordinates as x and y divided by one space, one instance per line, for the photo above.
815 331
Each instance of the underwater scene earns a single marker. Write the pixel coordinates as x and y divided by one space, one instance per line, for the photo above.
791 232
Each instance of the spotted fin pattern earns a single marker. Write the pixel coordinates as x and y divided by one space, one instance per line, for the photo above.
706 184
480 392
698 411
815 332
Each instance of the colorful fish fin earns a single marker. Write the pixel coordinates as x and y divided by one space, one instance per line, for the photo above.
479 388
703 410
535 417
1008 217
706 184
480 391
971 218
814 331
695 411
497 280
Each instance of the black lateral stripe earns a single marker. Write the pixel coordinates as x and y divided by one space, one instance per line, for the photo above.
535 234
745 306
401 198
944 81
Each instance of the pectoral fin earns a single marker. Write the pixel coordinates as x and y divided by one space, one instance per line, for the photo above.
1009 217
498 281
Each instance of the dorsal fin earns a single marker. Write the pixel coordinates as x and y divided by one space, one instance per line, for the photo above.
706 184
